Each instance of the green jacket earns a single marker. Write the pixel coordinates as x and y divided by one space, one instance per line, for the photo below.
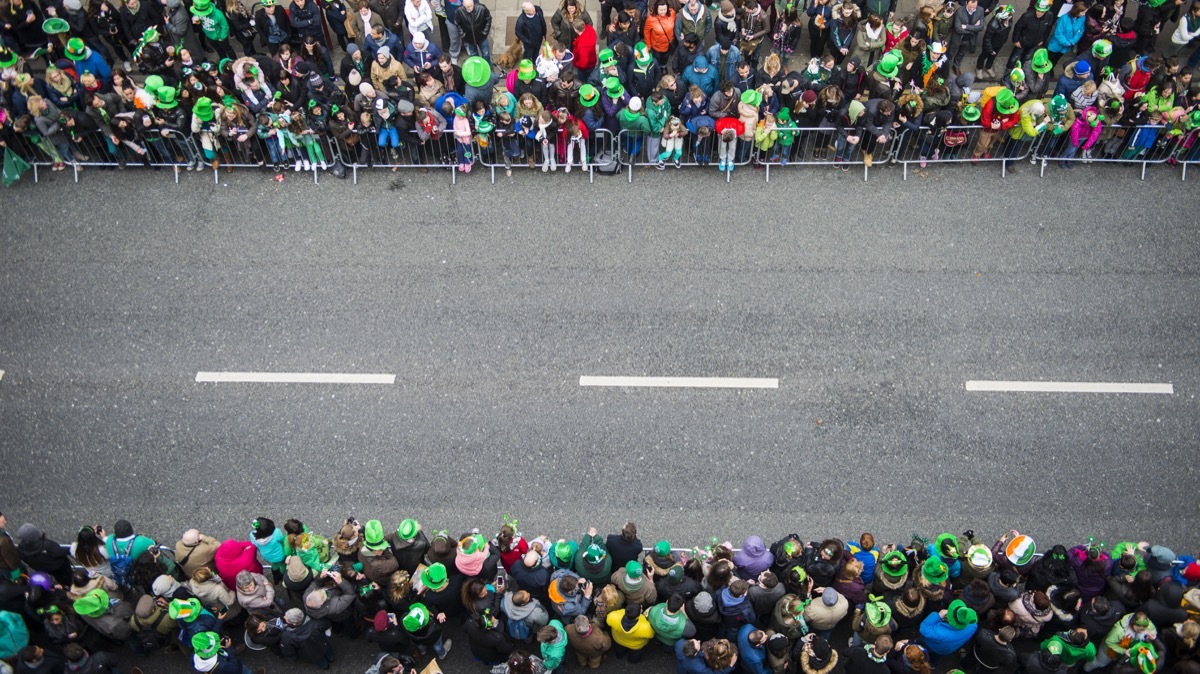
553 652
1072 654
667 628
658 114
215 26
634 122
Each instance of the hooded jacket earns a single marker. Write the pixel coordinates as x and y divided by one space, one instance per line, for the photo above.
305 642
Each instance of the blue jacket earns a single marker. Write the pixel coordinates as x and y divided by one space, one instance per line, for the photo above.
751 657
732 59
1067 32
94 64
707 81
694 664
941 638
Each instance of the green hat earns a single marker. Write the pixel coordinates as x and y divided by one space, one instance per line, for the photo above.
970 113
642 55
1006 102
475 542
562 551
1042 5
879 614
633 569
408 529
934 571
613 87
150 35
484 126
662 549
752 97
607 58
434 577
959 615
416 618
476 71
1144 657
202 7
93 604
8 58
525 71
588 96
153 84
203 109
1041 62
1101 49
947 545
894 564
594 554
76 50
186 610
166 98
889 65
373 535
1059 105
206 644
55 26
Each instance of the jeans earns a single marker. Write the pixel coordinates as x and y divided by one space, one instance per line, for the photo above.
388 137
483 49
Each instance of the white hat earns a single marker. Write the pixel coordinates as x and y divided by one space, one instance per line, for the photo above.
635 103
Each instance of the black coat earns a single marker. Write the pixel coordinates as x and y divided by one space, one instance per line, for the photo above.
1031 31
491 646
622 551
307 642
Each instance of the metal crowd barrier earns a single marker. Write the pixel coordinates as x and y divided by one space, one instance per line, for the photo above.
1144 144
696 152
490 153
818 146
412 153
930 146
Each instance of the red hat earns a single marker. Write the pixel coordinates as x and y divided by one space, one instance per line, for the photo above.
381 621
1192 572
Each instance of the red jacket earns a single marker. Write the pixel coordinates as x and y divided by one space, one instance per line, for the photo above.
730 123
989 114
585 48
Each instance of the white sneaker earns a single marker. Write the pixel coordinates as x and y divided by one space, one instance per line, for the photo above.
297 166
307 166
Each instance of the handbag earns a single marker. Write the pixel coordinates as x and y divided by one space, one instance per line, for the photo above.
954 138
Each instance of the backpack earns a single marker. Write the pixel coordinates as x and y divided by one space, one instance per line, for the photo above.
147 636
121 562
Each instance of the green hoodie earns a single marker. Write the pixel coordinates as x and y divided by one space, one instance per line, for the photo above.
632 121
553 652
668 628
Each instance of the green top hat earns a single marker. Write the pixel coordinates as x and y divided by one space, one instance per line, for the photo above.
476 71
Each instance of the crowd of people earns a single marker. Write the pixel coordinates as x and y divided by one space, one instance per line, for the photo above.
532 605
324 82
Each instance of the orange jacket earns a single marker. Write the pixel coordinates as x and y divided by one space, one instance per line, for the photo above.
660 32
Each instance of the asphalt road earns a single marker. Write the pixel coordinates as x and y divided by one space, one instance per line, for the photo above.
872 303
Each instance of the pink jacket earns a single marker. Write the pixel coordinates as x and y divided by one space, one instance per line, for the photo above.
234 556
1084 135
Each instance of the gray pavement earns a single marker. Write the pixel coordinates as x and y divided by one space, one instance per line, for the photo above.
871 303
